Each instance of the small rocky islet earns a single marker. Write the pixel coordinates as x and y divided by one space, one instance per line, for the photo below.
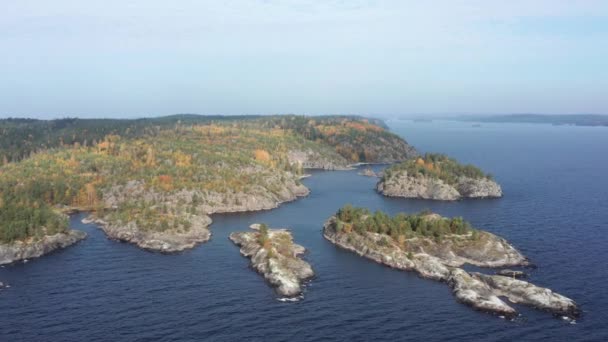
437 177
274 255
435 248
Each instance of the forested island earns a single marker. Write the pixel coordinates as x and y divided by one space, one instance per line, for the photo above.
274 255
153 182
436 247
437 177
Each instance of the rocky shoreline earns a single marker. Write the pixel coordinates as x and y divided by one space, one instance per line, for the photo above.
441 261
309 159
37 247
165 242
403 185
274 255
180 239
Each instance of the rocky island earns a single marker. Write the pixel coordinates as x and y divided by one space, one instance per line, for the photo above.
274 255
156 183
435 248
437 177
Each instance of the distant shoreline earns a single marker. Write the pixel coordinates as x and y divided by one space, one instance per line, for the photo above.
587 120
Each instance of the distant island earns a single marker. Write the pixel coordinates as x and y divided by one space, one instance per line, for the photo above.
154 182
577 120
436 247
274 255
437 177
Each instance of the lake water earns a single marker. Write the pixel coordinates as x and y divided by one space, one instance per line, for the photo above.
555 210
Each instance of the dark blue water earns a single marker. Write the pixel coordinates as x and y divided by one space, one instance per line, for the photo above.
555 210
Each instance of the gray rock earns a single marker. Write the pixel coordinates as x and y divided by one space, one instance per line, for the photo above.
368 173
37 247
401 184
164 242
310 159
441 260
278 262
471 291
285 187
519 291
478 188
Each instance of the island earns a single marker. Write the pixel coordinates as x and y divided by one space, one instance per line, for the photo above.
274 255
155 182
437 177
436 247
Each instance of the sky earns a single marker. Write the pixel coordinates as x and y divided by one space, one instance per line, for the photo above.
127 58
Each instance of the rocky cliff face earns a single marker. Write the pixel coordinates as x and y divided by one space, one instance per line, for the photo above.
276 259
36 247
400 184
441 260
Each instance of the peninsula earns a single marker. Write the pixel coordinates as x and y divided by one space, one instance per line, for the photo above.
154 182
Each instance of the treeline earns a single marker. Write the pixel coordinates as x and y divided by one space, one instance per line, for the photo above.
439 166
356 138
401 226
20 220
20 138
76 162
213 158
352 136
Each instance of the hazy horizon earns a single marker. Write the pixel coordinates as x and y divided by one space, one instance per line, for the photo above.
434 116
138 58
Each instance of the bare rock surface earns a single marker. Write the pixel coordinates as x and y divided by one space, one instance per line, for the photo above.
415 186
441 261
164 241
368 172
176 239
276 257
37 247
309 159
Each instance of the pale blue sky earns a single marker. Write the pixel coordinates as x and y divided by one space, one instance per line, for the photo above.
119 58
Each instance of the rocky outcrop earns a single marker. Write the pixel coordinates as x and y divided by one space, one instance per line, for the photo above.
170 241
400 184
368 172
519 291
478 188
470 290
441 261
310 159
36 247
259 197
275 256
482 292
